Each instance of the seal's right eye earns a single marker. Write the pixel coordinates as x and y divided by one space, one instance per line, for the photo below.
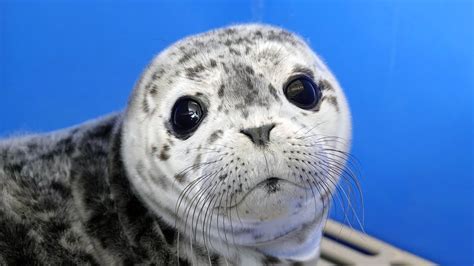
186 115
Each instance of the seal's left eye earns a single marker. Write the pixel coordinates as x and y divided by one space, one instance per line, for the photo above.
186 115
303 92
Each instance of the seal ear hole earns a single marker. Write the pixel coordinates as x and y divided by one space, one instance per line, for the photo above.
303 92
186 115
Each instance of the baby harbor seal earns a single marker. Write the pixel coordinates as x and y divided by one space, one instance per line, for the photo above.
229 150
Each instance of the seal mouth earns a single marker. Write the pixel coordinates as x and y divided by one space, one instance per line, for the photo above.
270 185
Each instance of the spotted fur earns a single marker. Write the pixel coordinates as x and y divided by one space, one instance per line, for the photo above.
125 189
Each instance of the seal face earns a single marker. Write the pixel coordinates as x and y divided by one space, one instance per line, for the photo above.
229 150
236 136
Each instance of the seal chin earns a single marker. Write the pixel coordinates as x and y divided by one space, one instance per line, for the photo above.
273 212
272 199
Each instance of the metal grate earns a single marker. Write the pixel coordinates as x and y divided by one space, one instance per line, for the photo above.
342 245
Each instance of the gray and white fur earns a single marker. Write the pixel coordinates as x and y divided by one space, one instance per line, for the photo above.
125 189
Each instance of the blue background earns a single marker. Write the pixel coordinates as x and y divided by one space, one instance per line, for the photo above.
407 68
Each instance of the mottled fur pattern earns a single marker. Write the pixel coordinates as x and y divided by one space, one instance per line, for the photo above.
57 202
125 189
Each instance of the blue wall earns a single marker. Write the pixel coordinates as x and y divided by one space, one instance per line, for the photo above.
407 68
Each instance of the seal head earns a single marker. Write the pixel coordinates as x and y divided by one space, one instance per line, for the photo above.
237 136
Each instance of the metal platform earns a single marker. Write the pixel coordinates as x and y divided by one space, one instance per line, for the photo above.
342 245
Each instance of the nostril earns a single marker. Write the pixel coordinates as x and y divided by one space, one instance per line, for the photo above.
258 135
246 133
270 127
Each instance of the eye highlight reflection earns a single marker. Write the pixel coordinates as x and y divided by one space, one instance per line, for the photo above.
303 92
187 114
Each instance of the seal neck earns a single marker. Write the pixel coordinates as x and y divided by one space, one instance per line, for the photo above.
113 219
143 230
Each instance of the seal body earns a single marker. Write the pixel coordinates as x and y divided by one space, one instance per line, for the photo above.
248 184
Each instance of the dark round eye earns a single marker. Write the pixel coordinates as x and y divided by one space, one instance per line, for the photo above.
303 92
186 115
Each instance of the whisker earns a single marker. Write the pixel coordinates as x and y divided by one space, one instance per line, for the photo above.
337 171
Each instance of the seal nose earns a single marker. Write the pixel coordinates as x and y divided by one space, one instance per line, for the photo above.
259 135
